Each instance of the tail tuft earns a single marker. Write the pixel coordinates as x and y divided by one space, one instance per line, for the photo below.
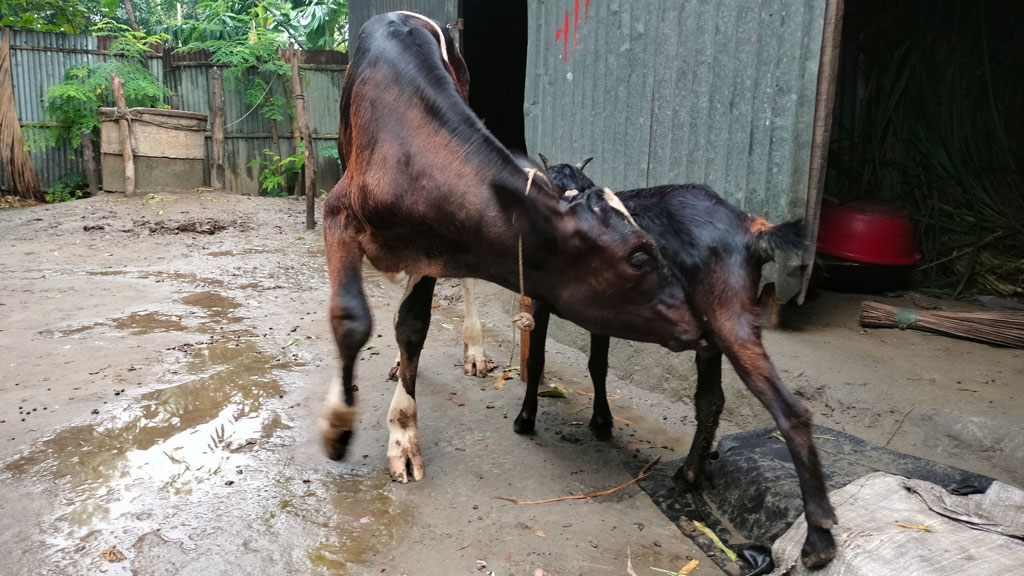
786 237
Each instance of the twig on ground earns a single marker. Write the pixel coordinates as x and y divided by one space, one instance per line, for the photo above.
898 426
643 474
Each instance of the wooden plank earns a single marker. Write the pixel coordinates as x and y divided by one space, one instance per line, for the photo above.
89 156
217 145
125 132
309 168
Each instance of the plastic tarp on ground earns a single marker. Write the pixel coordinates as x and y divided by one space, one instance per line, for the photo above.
895 525
755 497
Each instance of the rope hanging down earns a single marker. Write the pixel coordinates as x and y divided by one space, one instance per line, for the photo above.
523 320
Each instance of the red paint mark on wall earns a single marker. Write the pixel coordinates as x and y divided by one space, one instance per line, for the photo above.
563 35
575 24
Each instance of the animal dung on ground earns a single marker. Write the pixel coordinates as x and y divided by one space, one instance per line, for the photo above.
1001 328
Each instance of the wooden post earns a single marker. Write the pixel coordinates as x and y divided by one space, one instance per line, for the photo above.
525 305
90 163
216 78
300 112
126 137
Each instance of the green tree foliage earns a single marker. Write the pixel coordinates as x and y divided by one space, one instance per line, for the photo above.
54 15
73 103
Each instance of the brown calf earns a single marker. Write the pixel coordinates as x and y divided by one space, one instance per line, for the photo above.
429 192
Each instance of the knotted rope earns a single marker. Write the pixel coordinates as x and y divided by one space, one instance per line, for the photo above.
522 320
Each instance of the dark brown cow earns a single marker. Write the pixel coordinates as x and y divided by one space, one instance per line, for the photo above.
715 252
429 192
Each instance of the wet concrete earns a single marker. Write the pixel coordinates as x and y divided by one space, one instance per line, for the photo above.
160 395
163 395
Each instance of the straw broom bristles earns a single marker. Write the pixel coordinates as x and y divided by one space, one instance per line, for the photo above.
1002 328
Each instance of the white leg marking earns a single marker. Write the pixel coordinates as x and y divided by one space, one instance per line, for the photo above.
404 439
337 419
474 358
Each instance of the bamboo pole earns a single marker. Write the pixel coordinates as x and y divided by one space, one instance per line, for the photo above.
217 176
89 156
126 137
300 112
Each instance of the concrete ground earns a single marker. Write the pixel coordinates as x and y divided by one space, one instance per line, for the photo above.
165 359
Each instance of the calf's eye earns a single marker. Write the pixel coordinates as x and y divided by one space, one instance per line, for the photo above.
640 260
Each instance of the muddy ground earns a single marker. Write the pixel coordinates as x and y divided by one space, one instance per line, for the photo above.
164 361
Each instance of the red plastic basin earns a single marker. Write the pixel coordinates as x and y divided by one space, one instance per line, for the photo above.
869 231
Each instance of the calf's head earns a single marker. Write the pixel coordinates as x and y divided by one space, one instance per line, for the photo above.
602 271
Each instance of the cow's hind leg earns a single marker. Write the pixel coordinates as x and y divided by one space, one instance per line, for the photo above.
527 418
601 423
475 360
411 324
709 401
741 343
351 323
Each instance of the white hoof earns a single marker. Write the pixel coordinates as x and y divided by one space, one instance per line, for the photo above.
337 423
404 441
475 361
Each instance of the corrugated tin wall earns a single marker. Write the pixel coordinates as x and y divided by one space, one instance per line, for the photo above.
359 11
246 137
39 60
714 91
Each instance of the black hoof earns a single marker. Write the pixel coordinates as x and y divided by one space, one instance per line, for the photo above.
336 448
524 425
393 373
602 430
692 479
819 548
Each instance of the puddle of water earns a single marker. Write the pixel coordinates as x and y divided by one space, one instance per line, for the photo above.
135 324
172 474
177 436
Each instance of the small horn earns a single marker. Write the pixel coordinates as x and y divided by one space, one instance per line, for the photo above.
543 160
581 165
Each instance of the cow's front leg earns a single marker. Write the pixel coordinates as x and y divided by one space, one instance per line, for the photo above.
411 324
350 323
474 358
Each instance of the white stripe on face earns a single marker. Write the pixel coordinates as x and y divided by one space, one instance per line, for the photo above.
440 35
615 203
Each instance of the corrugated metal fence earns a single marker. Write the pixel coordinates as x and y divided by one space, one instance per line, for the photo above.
720 92
40 59
247 136
716 92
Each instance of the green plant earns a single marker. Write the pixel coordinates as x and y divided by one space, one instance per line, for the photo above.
275 172
72 105
69 187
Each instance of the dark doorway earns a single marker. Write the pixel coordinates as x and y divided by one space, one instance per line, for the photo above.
494 46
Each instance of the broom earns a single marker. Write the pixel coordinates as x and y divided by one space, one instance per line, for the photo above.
1002 328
